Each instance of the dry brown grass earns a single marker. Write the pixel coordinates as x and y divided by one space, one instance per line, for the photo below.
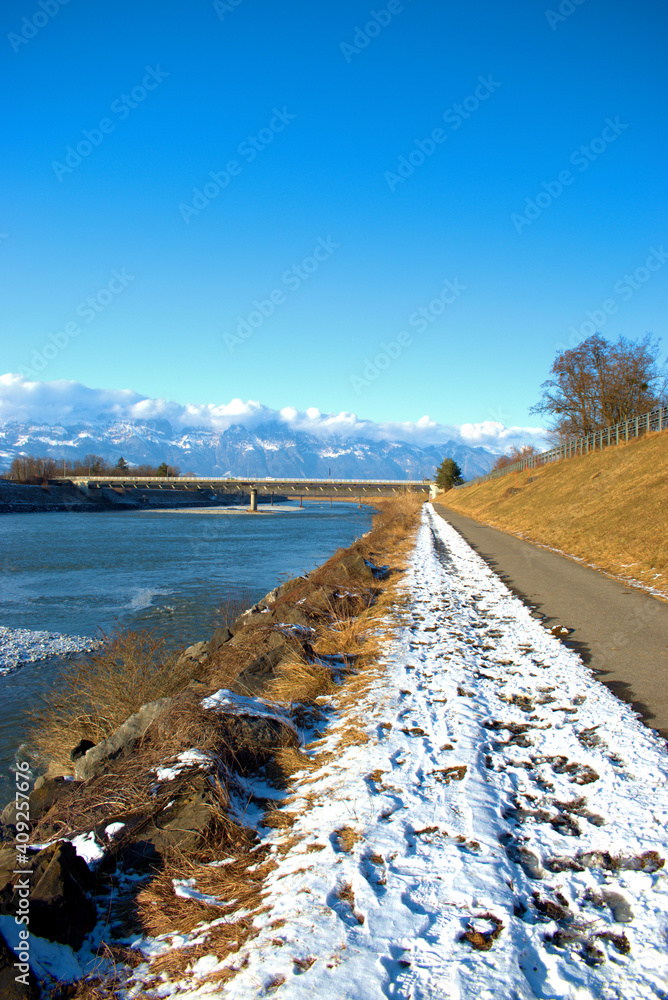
97 694
346 838
607 508
352 620
300 682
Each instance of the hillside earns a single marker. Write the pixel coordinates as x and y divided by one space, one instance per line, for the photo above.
609 509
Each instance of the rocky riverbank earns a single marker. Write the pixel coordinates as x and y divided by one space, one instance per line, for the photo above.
18 498
135 805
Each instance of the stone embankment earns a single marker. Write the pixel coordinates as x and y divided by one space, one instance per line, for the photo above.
108 819
17 498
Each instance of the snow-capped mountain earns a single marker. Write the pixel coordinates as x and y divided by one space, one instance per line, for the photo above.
267 449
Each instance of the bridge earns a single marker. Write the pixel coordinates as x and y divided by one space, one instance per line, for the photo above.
293 488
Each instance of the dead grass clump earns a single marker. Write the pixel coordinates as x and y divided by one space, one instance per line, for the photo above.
304 964
346 895
482 940
97 694
279 819
298 681
289 761
346 838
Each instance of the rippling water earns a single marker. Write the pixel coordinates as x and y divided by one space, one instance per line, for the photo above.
88 573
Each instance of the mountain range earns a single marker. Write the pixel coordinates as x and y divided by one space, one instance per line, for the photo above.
267 449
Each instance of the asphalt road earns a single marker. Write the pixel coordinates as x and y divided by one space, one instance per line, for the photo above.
619 631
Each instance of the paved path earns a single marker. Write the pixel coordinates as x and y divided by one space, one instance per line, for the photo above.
619 631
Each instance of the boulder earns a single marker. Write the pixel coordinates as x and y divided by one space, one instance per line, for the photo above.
45 794
198 654
182 824
355 566
252 740
218 639
61 908
280 591
11 988
122 741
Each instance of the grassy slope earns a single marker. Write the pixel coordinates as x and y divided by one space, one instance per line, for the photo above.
609 509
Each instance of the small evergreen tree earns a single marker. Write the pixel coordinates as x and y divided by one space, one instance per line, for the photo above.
163 470
448 474
121 465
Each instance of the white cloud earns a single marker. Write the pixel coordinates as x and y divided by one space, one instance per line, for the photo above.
68 403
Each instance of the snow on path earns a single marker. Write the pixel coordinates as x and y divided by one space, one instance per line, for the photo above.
503 792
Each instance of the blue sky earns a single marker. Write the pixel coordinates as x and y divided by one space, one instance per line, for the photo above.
297 274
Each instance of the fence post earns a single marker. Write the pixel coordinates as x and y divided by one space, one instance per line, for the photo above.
637 428
648 423
660 417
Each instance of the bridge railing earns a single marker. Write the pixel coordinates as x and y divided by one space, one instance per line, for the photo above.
246 481
655 420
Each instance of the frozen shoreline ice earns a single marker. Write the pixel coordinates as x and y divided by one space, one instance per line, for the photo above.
20 646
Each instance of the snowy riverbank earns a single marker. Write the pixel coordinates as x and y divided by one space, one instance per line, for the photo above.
498 830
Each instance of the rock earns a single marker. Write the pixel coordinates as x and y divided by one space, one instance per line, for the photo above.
253 740
218 639
141 858
122 741
43 796
258 614
182 824
60 907
293 616
10 986
355 566
197 653
40 801
282 590
254 677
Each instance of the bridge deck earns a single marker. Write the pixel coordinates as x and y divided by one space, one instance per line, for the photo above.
229 485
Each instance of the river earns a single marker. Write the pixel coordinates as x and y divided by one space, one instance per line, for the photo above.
87 574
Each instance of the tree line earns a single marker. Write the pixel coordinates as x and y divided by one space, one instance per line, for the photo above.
31 469
593 385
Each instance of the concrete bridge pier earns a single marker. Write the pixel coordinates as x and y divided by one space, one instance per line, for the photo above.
253 499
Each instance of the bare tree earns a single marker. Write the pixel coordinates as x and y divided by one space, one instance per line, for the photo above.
515 455
599 383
